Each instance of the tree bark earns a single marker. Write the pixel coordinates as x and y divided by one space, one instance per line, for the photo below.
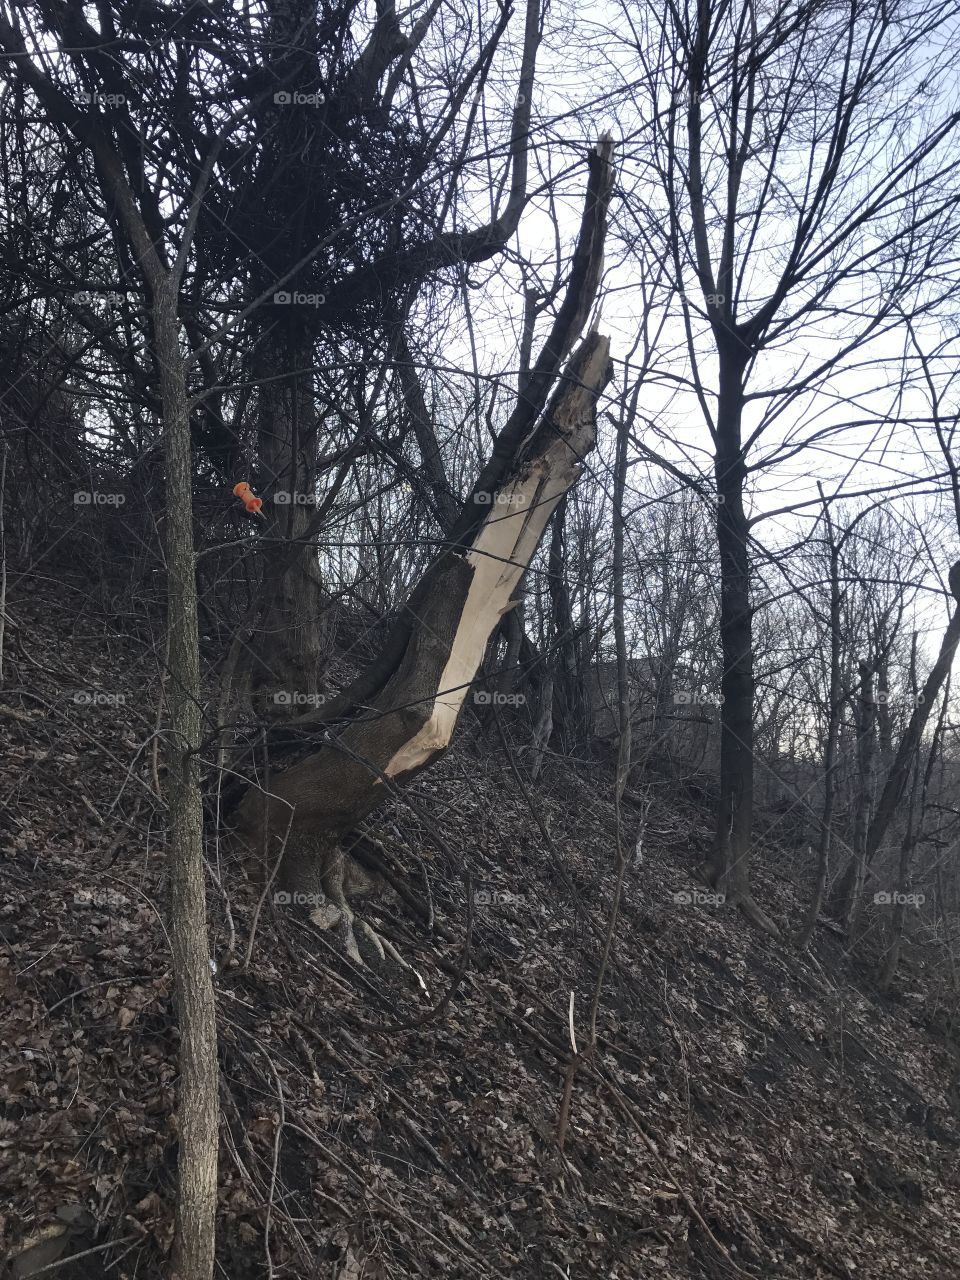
283 655
568 701
729 865
543 728
198 1115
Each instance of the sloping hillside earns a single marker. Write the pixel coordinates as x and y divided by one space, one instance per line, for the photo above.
746 1111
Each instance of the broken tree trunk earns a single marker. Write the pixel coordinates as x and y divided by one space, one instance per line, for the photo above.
400 713
444 633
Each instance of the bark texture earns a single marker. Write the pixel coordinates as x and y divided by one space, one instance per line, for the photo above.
198 1114
283 655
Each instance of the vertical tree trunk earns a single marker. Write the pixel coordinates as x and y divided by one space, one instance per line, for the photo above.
729 866
866 753
197 1117
834 710
907 845
283 656
625 710
514 624
914 829
543 729
562 660
884 721
512 632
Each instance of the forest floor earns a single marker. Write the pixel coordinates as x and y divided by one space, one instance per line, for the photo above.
744 1111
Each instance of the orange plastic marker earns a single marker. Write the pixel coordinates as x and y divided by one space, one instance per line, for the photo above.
251 502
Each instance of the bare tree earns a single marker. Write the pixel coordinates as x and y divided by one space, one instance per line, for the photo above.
193 1245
